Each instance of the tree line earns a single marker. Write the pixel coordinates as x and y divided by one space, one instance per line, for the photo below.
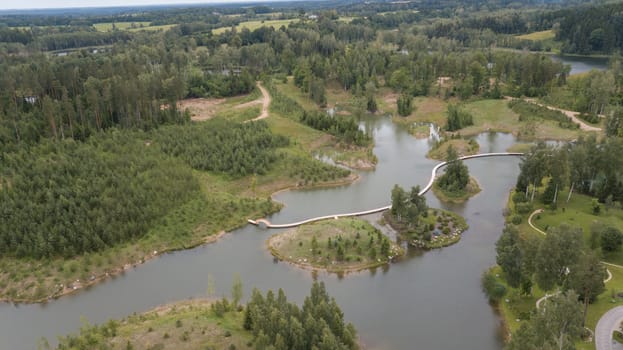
589 166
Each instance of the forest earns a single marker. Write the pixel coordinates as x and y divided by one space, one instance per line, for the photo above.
59 105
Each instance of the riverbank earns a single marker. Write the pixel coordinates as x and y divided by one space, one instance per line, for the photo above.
341 246
472 189
201 221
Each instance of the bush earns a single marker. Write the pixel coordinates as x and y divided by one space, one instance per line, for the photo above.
516 220
611 239
523 208
494 289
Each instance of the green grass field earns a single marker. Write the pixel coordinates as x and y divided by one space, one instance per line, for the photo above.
163 27
108 26
538 36
495 115
253 25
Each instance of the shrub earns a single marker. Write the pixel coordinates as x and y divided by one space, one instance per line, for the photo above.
494 289
516 220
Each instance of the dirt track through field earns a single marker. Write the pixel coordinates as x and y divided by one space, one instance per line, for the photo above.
265 103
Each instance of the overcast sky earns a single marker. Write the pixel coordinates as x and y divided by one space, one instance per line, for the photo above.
38 4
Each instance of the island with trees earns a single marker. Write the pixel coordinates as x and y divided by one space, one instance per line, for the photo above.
335 245
455 184
421 226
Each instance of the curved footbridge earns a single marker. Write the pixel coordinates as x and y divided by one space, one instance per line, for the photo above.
428 186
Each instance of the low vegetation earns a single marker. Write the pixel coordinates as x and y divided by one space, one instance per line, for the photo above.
340 245
463 147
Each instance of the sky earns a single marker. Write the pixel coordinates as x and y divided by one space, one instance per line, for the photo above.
39 4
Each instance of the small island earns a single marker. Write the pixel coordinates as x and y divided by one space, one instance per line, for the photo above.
421 226
455 185
340 245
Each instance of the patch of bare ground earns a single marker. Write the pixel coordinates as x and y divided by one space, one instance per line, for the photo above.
201 109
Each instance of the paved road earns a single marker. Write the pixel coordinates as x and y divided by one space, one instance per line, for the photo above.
609 322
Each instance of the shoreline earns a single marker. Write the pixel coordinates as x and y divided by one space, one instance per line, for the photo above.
119 270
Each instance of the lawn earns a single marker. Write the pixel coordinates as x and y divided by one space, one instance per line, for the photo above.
538 36
578 212
253 25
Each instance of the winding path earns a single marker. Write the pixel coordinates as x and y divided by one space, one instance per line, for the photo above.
266 99
571 114
428 186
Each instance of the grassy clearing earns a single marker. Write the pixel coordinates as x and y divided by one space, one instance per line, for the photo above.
316 141
427 110
253 25
108 26
239 115
342 245
201 109
538 36
520 147
578 213
163 27
462 146
470 190
184 325
495 115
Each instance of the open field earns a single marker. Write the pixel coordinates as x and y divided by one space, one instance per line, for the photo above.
108 26
495 115
163 27
253 25
538 36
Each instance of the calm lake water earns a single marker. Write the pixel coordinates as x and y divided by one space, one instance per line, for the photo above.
581 64
425 301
